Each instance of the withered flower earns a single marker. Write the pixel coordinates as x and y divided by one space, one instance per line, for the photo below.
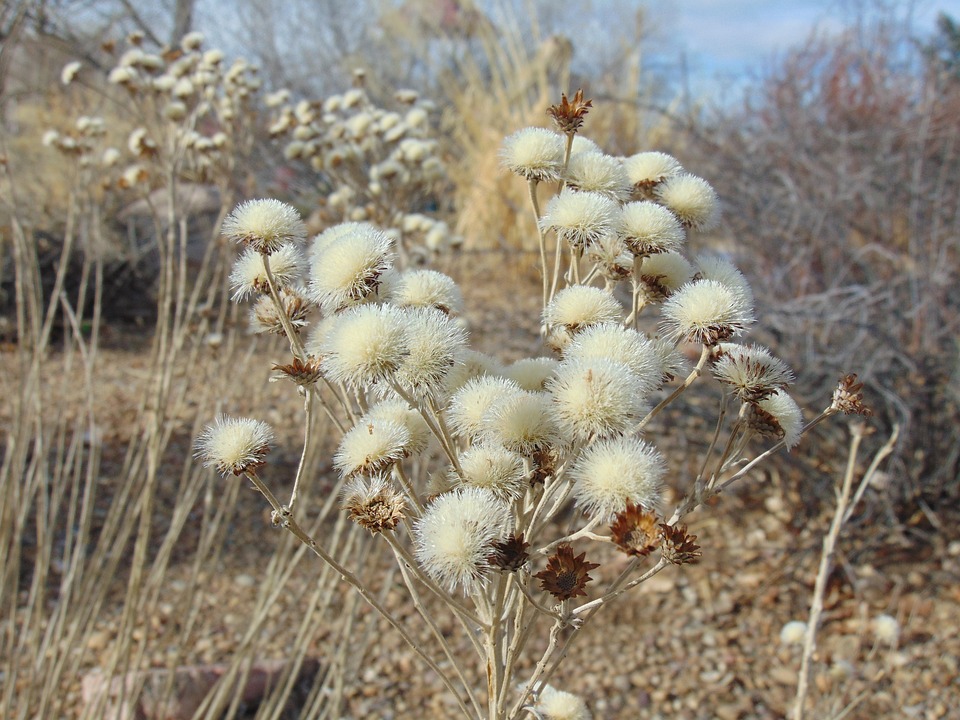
677 546
566 574
373 504
635 530
568 114
301 372
510 554
848 397
264 317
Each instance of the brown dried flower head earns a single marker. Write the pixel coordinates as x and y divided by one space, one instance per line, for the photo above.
568 114
265 318
677 546
848 397
566 575
510 554
301 372
373 504
635 530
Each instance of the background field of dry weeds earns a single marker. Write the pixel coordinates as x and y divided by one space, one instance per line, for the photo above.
840 179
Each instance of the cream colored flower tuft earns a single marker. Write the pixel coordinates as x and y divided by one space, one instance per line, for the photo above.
471 404
793 632
649 228
426 288
455 536
234 445
192 41
495 468
400 413
249 276
581 306
432 343
70 72
713 267
752 372
610 472
264 317
777 416
691 199
370 447
553 704
661 275
583 144
347 266
373 503
647 169
522 422
706 312
531 373
363 345
534 153
579 218
612 341
599 173
613 258
264 225
595 398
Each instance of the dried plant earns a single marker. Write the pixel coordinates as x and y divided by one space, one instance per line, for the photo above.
518 451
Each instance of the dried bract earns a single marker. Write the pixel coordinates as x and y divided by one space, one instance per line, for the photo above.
848 397
566 574
569 114
678 547
635 530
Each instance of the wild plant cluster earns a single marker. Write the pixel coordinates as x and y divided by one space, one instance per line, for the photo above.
502 491
372 164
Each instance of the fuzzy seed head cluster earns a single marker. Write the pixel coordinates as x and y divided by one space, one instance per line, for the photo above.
372 503
580 218
363 345
249 276
264 225
472 403
706 312
553 704
400 413
598 173
663 274
346 267
580 306
432 343
612 471
612 256
777 416
595 398
649 228
534 153
456 535
613 342
495 468
427 288
523 422
752 372
370 447
234 445
265 318
691 199
714 267
531 373
645 170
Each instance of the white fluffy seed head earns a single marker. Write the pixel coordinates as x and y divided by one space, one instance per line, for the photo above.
370 447
612 471
886 629
612 341
787 418
522 422
713 267
691 199
264 225
793 632
646 169
752 372
249 276
433 342
400 413
426 288
581 306
531 373
472 364
534 153
234 445
671 359
470 405
363 345
495 468
595 398
556 704
579 218
706 312
599 173
612 257
662 274
583 144
347 267
649 228
455 536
